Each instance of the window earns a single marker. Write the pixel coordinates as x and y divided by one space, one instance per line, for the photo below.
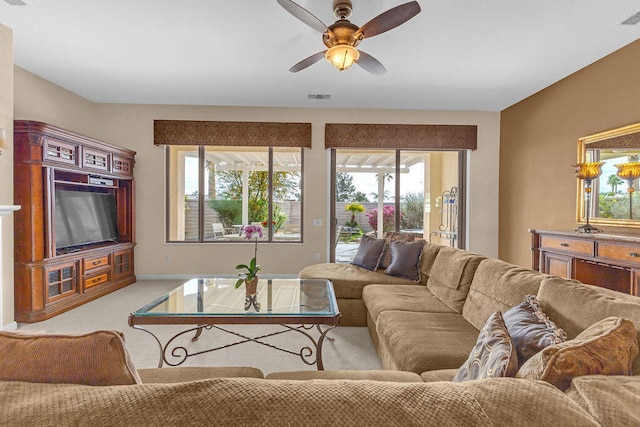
376 191
213 191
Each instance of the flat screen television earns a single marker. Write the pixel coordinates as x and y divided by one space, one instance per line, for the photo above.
84 217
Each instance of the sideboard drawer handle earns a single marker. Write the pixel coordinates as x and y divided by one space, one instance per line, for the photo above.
634 254
564 245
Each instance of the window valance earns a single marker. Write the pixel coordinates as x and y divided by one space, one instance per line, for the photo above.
250 134
398 136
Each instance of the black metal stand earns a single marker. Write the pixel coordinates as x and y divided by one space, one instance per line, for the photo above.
169 354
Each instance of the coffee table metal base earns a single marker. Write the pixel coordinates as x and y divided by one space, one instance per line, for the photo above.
174 354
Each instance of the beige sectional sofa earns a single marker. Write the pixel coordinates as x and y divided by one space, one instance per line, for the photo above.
422 331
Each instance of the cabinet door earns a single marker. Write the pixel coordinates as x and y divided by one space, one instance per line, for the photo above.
121 165
557 265
61 280
122 263
635 282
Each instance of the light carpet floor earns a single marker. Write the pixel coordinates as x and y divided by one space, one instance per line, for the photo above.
351 349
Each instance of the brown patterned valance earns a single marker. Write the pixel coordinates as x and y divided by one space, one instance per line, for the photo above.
393 136
631 140
248 134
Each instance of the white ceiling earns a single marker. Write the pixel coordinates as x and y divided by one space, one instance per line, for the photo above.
454 55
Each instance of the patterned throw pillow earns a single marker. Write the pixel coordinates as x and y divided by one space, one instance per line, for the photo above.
493 356
392 236
369 253
405 260
607 347
96 358
530 329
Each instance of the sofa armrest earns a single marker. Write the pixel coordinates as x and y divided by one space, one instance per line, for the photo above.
185 374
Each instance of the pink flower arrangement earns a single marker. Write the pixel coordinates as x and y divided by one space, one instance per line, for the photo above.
250 232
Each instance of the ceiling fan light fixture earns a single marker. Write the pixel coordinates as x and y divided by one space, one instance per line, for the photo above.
342 56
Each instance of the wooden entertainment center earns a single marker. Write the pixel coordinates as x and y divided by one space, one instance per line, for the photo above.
50 280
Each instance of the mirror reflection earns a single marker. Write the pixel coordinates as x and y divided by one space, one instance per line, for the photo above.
615 196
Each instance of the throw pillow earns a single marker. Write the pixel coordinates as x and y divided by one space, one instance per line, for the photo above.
405 260
95 358
493 356
530 329
607 347
368 254
392 236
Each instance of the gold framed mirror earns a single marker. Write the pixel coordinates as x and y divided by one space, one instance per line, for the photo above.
615 199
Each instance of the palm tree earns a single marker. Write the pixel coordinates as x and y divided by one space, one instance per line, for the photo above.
614 181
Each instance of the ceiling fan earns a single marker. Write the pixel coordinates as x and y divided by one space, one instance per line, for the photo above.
342 37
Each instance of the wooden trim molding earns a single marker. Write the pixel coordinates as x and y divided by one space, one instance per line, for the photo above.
247 134
397 136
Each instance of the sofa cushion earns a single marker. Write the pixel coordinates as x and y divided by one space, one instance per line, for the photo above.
369 253
419 342
574 306
392 236
379 298
493 356
438 375
610 400
193 373
607 347
530 329
498 286
427 259
451 276
348 280
405 260
377 375
95 358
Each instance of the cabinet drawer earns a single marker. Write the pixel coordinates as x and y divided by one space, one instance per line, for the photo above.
564 244
95 280
90 264
627 253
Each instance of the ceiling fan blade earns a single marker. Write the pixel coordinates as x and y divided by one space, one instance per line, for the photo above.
389 19
370 64
307 62
303 14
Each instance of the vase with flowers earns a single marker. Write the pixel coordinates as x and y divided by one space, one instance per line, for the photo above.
250 276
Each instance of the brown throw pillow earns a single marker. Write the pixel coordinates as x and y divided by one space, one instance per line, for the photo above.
368 254
493 355
95 358
530 329
393 236
405 260
607 347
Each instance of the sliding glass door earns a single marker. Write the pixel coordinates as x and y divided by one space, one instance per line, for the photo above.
377 191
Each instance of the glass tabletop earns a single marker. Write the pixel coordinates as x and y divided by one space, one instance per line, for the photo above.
218 297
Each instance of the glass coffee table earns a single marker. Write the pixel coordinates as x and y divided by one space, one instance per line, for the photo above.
299 305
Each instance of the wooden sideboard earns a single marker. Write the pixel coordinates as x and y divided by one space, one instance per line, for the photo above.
603 259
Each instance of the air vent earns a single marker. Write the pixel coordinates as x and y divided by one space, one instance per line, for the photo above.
632 20
318 96
16 2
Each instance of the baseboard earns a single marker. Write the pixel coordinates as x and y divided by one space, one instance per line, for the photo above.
13 326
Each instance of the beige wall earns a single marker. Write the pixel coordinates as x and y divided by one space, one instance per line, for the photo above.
131 126
538 145
6 176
